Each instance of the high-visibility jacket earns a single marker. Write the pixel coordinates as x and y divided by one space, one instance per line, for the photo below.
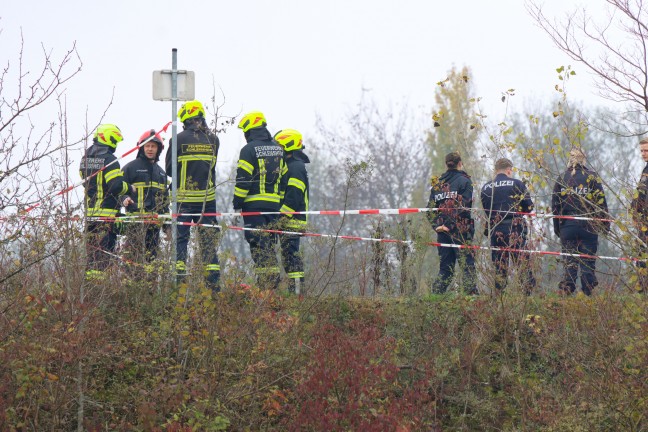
150 182
452 195
296 192
579 192
258 174
197 155
102 190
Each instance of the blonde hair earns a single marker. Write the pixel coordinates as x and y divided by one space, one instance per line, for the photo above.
576 157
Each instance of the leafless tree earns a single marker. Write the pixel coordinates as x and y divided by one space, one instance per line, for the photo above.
613 48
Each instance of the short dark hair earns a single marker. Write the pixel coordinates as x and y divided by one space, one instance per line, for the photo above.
452 159
503 163
643 141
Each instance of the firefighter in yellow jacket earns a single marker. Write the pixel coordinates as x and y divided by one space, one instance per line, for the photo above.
258 176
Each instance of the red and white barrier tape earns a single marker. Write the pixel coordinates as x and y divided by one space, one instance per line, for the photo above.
409 242
87 179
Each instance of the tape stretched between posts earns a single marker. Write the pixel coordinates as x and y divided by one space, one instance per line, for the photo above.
410 242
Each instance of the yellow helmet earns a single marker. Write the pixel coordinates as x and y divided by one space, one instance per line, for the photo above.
289 139
252 120
108 134
191 109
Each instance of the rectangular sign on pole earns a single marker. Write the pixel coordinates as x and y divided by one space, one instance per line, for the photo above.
162 85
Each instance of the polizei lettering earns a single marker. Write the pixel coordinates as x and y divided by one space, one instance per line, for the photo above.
577 190
445 195
268 151
500 183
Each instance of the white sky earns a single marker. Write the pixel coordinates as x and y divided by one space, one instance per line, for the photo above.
290 59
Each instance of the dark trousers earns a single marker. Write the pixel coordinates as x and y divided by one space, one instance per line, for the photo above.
448 257
576 239
642 267
208 238
143 241
262 248
509 235
102 238
292 260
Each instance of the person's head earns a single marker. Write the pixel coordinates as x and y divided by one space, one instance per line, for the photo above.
453 160
504 166
192 112
576 157
252 120
289 139
152 148
643 146
109 135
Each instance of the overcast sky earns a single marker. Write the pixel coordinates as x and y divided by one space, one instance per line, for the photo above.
290 59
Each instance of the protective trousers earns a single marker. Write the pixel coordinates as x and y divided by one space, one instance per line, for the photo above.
576 239
292 260
262 249
208 238
448 256
101 238
509 235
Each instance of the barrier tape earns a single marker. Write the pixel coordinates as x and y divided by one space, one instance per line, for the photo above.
410 242
87 179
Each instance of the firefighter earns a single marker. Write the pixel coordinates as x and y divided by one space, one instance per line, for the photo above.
640 217
258 176
102 197
579 192
501 199
451 194
294 199
197 151
150 198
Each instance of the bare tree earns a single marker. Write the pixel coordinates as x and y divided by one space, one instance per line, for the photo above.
614 48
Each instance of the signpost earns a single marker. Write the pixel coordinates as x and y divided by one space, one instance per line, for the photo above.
174 85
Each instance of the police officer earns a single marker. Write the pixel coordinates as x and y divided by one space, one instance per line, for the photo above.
640 217
197 154
258 176
452 195
501 199
579 192
150 197
102 197
294 199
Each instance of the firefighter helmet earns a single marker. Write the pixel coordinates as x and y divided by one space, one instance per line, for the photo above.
190 110
108 134
252 120
289 139
156 138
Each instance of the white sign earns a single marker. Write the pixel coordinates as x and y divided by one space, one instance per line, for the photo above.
162 85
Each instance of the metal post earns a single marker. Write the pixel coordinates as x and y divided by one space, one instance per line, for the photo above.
174 165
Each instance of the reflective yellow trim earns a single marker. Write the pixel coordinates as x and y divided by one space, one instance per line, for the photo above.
180 265
263 197
285 208
101 212
189 197
262 178
266 270
113 174
241 193
297 183
245 166
198 158
296 275
212 267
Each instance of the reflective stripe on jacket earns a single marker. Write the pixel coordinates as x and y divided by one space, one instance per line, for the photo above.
258 173
197 155
102 190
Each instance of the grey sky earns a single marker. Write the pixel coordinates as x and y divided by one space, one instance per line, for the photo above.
287 58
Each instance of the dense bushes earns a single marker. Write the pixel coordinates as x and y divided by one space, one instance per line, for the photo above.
254 360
